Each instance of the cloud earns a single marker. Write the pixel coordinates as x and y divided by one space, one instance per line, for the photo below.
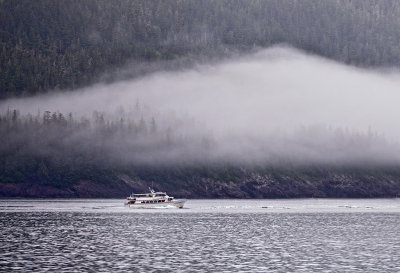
275 103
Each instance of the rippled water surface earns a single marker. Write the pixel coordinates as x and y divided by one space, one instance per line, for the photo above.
307 235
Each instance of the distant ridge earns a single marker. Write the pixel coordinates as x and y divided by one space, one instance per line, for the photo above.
51 45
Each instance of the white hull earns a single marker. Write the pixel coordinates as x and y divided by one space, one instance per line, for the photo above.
171 204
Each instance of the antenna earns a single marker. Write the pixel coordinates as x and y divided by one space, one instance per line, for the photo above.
152 191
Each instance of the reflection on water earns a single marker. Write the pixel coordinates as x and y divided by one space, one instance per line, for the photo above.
310 235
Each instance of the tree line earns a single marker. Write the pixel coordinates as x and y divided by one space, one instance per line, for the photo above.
62 149
66 44
57 148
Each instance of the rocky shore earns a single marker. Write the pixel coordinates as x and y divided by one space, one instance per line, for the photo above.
296 184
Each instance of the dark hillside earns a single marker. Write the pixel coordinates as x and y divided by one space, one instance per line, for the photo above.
46 45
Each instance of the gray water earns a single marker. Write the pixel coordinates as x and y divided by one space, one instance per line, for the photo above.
301 235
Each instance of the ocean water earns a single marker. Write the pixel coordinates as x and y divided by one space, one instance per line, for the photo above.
299 235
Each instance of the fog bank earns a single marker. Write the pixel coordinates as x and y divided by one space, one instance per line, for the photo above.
276 103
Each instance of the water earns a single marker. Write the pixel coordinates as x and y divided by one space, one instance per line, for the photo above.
306 235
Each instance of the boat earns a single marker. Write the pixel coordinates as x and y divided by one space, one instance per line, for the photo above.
153 200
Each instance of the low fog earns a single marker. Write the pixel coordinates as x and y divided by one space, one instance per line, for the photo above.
275 105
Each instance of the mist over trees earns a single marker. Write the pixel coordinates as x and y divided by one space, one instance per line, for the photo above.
275 107
184 94
60 149
46 45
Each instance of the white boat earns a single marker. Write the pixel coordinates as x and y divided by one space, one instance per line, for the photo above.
153 200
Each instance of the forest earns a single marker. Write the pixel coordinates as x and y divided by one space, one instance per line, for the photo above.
54 45
60 152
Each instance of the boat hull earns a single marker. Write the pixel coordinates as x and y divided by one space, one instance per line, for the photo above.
171 204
